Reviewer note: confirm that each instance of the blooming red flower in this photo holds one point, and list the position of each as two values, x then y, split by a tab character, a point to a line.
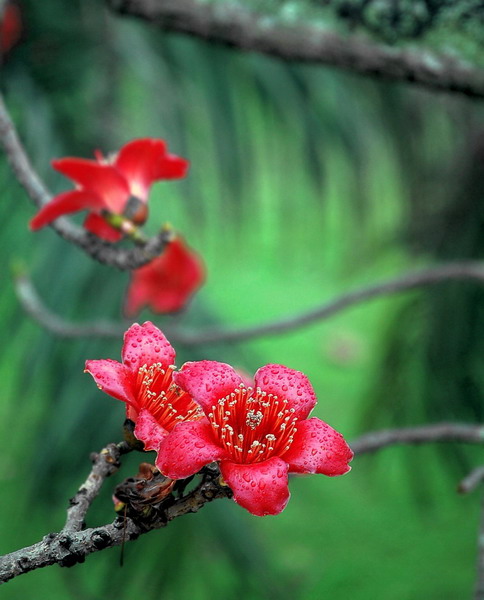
118	185
258	434
10	28
167	282
144	380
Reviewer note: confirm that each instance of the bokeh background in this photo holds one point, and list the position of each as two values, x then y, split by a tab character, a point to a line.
305	182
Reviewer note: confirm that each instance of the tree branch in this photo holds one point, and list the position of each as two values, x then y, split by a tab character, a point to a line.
238	26
458	271
439	432
101	251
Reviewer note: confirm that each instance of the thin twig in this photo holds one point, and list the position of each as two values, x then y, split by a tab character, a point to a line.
459	271
104	464
471	481
438	432
110	254
236	25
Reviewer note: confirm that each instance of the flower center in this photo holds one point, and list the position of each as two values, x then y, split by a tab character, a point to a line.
253	425
162	398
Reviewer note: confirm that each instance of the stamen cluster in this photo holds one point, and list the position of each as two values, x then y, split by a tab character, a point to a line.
253	425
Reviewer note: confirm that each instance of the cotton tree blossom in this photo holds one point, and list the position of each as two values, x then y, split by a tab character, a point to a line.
144	381
117	185
10	28
258	434
168	282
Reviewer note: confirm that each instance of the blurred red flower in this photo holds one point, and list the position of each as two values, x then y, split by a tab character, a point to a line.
10	28
259	434
119	185
167	282
144	381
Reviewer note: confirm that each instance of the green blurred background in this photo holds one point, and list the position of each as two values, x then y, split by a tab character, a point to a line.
305	182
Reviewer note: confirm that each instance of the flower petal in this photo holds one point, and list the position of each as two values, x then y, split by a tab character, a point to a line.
99	226
103	180
261	488
167	282
318	448
149	431
145	345
207	381
187	448
144	161
289	384
113	378
64	204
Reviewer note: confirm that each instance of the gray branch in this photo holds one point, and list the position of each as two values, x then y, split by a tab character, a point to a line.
458	271
101	251
236	25
72	544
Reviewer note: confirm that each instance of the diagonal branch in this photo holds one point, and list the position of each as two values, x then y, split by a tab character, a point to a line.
104	252
236	25
458	271
72	544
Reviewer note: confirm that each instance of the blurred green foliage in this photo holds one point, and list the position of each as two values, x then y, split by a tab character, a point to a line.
304	183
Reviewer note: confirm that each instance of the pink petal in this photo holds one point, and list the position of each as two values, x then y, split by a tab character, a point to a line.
289	384
187	448
64	204
207	381
261	488
113	378
145	345
99	226
144	161
318	448
149	431
103	180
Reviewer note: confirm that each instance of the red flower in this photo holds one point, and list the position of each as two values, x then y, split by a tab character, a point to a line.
258	434
10	28
144	380
118	185
167	282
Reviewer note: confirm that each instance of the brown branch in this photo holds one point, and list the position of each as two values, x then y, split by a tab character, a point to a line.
459	271
237	26
110	254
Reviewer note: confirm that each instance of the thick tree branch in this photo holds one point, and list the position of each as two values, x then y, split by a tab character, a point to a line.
459	271
72	544
101	251
236	25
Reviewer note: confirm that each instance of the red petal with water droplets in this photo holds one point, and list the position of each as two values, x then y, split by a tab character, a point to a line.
64	204
187	448
207	381
289	384
145	345
318	448
100	227
113	378
149	431
103	180
144	161
261	488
